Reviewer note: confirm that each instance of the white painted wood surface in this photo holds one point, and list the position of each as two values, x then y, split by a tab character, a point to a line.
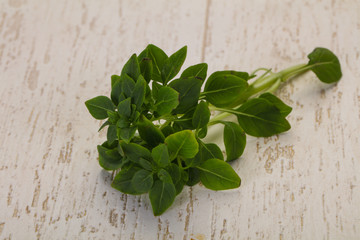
54	55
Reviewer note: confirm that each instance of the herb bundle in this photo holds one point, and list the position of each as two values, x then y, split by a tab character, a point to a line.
156	124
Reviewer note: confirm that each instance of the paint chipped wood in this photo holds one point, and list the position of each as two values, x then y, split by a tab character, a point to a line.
302	184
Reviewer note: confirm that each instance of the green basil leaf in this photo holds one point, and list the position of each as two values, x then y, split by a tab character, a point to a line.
201	115
173	64
145	164
216	174
189	92
134	152
234	140
194	177
182	144
113	117
99	106
162	195
223	90
126	134
123	181
138	95
164	176
155	89
260	118
185	121
174	171
280	105
166	100
146	66
198	71
325	65
111	134
242	75
160	155
109	159
127	85
149	132
158	57
142	181
104	125
114	79
132	68
202	132
206	152
124	107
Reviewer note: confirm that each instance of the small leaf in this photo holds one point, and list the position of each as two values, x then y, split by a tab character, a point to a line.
197	71
189	92
134	152
127	85
113	117
142	181
99	106
138	95
104	125
280	105
146	66
111	134
158	57
217	175
173	64
234	140
201	115
222	90
109	159
166	100
183	144
124	107
126	134
160	155
132	68
114	80
260	118
325	65
123	181
162	195
149	132
174	171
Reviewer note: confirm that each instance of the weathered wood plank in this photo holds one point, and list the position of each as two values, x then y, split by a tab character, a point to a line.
54	55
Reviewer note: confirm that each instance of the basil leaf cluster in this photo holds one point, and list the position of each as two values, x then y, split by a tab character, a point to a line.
156	124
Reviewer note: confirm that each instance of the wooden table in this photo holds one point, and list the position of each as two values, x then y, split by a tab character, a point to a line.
54	55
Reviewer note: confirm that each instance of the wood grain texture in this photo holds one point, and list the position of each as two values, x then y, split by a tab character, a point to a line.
54	55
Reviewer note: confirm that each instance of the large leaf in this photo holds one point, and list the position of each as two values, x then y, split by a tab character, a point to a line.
206	152
162	195
123	181
280	105
149	132
182	144
201	115
216	175
189	92
134	152
160	155
198	71
109	159
173	64
260	118
99	106
325	65
223	89
234	140
166	100
142	181
158	58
